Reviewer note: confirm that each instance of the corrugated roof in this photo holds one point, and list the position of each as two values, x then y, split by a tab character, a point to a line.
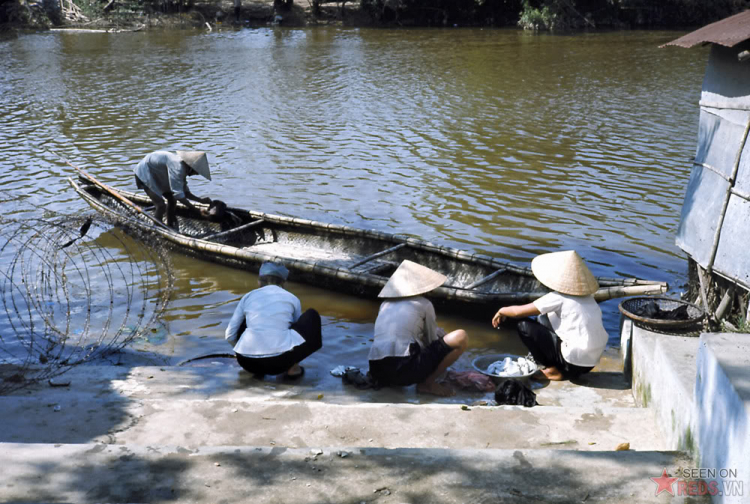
727	32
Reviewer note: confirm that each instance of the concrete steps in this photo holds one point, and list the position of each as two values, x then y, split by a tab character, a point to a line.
699	392
296	424
146	434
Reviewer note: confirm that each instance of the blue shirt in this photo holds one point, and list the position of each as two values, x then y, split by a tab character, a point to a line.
268	313
163	171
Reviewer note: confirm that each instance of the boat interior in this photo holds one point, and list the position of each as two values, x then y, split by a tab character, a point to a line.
340	247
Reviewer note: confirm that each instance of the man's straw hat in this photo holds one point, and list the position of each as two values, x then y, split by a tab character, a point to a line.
411	279
196	160
564	272
273	269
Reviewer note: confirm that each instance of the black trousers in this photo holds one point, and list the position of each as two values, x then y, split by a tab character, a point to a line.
308	326
159	201
546	346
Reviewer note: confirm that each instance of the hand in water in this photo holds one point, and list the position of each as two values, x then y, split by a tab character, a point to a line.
497	320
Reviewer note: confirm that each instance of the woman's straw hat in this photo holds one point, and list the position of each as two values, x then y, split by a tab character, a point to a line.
196	160
565	272
411	279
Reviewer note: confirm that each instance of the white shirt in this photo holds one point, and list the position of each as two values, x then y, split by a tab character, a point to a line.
402	322
577	320
163	171
268	313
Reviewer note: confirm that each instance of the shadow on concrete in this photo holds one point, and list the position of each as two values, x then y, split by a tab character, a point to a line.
85	405
402	475
610	380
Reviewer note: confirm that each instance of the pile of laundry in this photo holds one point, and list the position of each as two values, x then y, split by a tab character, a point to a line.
352	375
469	380
515	392
512	367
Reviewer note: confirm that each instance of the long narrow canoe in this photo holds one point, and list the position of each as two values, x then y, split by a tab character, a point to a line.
341	258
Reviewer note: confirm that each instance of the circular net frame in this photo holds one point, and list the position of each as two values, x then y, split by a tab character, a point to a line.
74	288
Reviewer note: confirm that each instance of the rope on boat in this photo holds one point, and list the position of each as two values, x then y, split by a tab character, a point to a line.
73	288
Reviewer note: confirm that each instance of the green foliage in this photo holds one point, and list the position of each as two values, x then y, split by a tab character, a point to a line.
529	14
10	12
92	9
739	325
538	17
16	12
574	14
677	13
564	14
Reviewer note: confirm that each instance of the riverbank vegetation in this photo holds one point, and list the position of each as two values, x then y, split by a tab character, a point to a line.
547	15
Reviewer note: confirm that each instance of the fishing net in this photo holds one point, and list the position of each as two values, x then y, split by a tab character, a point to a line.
74	288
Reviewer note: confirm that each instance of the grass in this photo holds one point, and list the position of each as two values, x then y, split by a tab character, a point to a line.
738	325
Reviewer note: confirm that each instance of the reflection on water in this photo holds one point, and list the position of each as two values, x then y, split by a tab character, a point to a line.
497	141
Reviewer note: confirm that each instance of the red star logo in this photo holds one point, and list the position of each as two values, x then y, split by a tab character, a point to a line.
664	483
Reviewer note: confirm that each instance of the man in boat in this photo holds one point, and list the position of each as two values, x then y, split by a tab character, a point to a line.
163	175
568	338
409	348
270	334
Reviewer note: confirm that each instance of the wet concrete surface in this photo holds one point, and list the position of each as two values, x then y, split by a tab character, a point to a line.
210	405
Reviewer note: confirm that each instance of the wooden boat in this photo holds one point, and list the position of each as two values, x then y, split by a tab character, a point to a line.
341	258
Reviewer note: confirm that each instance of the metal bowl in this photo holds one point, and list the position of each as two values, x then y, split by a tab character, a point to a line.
483	362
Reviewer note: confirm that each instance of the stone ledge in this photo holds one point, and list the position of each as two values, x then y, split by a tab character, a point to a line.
722	393
663	370
699	392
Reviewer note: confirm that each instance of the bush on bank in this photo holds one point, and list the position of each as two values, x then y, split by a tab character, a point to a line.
550	15
553	14
575	14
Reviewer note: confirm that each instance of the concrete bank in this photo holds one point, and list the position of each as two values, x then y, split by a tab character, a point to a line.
698	389
194	407
215	434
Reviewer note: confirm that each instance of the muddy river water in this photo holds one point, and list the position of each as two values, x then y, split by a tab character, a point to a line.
497	141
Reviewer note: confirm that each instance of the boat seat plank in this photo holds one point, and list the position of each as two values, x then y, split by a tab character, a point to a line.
228	232
376	268
377	254
486	279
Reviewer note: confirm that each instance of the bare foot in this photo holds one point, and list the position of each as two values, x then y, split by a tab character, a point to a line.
553	374
435	389
294	371
539	375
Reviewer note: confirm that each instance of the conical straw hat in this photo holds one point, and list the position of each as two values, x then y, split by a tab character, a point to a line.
411	279
564	272
196	160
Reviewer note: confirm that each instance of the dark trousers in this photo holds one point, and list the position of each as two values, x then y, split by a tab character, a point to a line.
308	326
158	201
410	369
546	346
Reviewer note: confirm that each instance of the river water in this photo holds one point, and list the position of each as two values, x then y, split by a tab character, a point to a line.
497	141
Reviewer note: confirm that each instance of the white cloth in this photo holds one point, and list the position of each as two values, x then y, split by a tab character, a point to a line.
163	171
268	313
577	320
340	371
512	367
402	322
